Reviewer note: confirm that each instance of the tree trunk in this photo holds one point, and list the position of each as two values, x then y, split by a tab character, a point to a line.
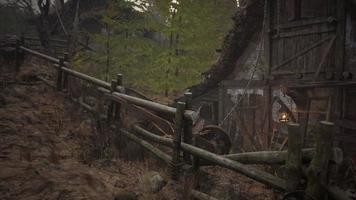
43	24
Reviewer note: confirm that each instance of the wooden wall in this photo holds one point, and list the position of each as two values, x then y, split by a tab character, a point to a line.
315	41
302	38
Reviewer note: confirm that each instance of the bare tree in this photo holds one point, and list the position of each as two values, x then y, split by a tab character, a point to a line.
43	24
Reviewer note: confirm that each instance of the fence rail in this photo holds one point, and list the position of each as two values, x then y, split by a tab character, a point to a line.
182	141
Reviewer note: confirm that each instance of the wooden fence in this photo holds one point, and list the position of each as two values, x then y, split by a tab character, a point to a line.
186	156
58	45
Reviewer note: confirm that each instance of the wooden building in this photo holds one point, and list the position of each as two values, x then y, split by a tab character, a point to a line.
299	64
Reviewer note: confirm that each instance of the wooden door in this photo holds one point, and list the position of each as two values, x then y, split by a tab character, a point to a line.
304	39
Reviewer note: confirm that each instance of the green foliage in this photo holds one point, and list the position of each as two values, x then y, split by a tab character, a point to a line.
163	46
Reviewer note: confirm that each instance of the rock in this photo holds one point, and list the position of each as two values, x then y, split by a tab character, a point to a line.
125	195
152	182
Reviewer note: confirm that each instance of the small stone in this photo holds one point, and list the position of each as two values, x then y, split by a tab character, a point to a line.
152	182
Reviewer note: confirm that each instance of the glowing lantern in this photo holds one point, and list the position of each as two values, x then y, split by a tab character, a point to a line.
283	117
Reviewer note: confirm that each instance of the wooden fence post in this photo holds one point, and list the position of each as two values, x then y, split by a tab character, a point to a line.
60	75
22	39
65	75
188	126
119	80
294	156
17	56
179	124
318	169
111	108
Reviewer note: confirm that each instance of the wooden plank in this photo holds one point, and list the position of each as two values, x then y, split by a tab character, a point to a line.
306	32
250	172
308	22
345	123
243	83
221	102
324	57
302	52
340	40
160	154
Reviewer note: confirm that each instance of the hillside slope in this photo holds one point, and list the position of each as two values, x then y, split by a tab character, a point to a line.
51	149
48	147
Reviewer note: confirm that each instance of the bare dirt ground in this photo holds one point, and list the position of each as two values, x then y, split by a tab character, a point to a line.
49	150
47	147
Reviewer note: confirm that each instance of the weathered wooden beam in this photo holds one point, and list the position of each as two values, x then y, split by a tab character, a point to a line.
47	82
294	156
18	56
188	126
341	37
324	57
318	168
41	55
279	157
289	34
260	157
111	107
60	75
302	52
65	75
157	152
84	105
201	196
250	172
119	79
87	78
188	114
179	127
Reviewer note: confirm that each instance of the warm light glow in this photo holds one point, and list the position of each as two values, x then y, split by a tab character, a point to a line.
283	117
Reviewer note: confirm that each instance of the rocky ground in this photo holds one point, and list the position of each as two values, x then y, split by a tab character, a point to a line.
50	149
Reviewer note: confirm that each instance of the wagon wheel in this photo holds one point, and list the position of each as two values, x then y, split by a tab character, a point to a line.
218	139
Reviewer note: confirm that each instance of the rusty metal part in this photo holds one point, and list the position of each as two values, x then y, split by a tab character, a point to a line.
215	139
